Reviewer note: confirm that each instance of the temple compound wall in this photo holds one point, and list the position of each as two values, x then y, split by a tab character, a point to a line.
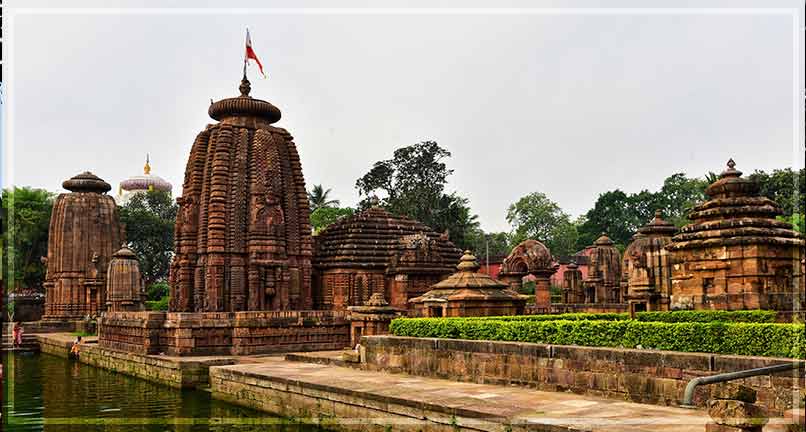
84	232
376	252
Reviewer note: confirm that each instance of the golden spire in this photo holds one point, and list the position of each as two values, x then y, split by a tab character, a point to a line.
147	167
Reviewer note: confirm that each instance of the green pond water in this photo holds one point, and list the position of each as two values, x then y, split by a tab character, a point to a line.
48	393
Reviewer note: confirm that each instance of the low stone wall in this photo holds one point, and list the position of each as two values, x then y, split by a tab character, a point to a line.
645	376
178	373
558	308
171	371
224	333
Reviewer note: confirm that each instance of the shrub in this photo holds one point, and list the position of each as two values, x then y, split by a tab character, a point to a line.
157	291
762	339
752	316
158	305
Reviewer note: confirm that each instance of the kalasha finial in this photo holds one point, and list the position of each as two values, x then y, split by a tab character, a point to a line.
658	213
245	87
468	263
731	171
374	201
147	166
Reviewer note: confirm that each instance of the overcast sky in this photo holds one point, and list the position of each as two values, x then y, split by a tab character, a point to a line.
569	104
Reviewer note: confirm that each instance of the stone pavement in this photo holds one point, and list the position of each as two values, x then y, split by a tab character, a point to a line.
510	405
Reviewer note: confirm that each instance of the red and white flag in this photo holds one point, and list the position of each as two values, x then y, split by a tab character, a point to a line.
250	54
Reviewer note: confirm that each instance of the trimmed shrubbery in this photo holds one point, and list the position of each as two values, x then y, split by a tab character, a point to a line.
761	339
752	316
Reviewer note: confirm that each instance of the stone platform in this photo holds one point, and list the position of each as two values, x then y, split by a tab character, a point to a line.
352	399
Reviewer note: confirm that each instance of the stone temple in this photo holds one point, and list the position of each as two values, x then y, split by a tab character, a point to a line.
647	267
377	252
735	254
84	232
243	235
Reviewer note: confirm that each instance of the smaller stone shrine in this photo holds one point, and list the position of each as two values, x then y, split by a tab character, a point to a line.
124	285
603	284
735	254
375	251
371	319
530	257
84	232
468	293
572	284
647	267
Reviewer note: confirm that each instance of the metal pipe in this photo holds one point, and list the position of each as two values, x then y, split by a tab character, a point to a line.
688	396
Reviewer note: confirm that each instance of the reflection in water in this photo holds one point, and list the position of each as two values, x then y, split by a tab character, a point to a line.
58	395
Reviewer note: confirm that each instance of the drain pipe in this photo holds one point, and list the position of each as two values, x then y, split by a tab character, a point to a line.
688	397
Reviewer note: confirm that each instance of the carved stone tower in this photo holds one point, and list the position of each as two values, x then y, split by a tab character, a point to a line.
84	232
243	235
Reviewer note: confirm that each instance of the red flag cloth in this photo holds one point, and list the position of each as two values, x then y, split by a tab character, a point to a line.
250	54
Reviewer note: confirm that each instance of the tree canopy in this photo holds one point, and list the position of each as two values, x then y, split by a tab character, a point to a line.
319	197
413	183
535	216
26	220
149	219
324	216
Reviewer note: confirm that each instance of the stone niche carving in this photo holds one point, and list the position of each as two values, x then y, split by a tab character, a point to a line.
243	235
375	251
84	232
646	266
735	254
530	257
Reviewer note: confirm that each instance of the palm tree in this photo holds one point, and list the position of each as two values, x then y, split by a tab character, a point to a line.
318	197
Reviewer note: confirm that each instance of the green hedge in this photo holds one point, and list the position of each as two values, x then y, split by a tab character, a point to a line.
752	316
761	339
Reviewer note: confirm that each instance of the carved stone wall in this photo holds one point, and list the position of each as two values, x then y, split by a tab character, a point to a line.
84	232
243	235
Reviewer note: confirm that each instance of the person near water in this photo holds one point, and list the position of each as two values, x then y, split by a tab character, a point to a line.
17	333
76	346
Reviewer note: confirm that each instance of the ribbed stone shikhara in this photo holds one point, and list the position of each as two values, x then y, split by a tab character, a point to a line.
604	272
84	232
375	251
124	286
735	254
243	235
646	269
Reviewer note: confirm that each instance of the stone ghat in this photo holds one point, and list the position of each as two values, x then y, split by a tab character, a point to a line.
349	399
176	372
223	333
645	376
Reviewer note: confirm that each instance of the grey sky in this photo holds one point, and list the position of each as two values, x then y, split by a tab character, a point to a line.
569	105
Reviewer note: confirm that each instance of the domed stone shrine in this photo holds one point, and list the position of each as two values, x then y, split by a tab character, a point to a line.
375	251
243	235
735	254
84	232
468	293
530	257
647	267
124	287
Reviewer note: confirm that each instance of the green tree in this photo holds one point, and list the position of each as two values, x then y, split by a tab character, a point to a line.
784	186
676	198
537	217
149	219
26	219
497	243
324	216
413	183
320	197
